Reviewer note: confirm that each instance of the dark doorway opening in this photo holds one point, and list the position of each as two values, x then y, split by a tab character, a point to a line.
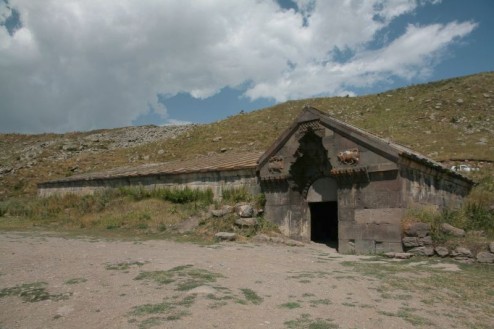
324	223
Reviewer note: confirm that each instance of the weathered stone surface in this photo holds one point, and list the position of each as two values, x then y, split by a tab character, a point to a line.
442	251
422	251
202	290
222	212
451	230
398	255
418	230
425	241
461	252
246	222
225	236
485	257
491	247
244	210
410	242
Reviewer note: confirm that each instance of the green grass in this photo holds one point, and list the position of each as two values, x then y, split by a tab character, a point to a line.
122	266
304	321
33	292
291	305
251	296
185	277
75	281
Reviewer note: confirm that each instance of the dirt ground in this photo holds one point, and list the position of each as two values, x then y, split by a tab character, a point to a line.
52	281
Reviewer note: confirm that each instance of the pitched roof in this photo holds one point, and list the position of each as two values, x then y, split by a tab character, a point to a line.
386	148
208	163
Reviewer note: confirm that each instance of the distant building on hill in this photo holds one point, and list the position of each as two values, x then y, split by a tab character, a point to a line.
323	179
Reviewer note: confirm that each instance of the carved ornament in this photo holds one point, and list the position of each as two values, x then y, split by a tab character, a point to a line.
276	164
349	157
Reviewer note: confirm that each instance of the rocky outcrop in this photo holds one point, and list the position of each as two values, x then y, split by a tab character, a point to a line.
418	241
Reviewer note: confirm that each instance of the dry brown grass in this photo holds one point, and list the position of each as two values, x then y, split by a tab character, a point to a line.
446	120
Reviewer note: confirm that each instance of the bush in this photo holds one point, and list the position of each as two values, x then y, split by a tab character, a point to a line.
187	195
237	195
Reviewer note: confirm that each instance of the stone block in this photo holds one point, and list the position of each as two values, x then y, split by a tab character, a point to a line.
422	251
410	242
461	252
246	222
485	257
441	251
451	230
417	230
491	247
225	236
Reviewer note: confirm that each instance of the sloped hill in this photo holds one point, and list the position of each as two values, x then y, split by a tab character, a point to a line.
449	120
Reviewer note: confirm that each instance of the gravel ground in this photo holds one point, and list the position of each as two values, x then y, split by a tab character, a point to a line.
51	281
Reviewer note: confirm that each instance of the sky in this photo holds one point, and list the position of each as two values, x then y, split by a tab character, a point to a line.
78	65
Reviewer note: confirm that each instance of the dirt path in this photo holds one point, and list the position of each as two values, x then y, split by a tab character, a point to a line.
56	282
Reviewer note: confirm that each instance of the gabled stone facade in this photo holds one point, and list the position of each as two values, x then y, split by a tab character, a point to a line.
327	181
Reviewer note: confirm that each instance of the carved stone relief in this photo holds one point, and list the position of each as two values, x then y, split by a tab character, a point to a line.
349	157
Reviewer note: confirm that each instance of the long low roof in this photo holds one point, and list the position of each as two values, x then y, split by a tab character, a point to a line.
206	163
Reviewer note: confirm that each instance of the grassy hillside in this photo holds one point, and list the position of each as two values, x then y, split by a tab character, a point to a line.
450	120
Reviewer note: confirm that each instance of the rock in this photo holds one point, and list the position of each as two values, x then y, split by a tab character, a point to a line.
225	236
418	230
425	241
410	242
244	210
459	101
261	238
249	222
222	212
160	152
442	251
223	149
491	247
422	251
217	139
451	230
398	255
461	252
485	257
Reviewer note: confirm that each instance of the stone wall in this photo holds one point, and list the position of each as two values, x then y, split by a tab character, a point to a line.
216	181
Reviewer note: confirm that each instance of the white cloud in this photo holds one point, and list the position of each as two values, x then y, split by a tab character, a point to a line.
77	65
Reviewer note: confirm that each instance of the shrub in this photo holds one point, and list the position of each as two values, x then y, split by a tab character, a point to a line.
236	195
187	195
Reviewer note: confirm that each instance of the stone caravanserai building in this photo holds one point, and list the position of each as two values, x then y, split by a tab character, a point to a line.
323	180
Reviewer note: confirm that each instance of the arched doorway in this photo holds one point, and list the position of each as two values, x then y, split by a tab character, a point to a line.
322	198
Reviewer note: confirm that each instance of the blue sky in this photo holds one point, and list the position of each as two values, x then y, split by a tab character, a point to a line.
80	65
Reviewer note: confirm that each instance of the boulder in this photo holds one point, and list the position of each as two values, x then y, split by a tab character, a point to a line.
418	230
244	210
442	251
485	257
491	247
398	255
410	242
225	210
451	230
248	222
422	251
425	241
461	252
225	236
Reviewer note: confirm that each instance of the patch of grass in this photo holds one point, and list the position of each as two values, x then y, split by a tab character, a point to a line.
304	321
33	292
171	310
122	266
186	277
75	281
291	305
315	302
251	296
